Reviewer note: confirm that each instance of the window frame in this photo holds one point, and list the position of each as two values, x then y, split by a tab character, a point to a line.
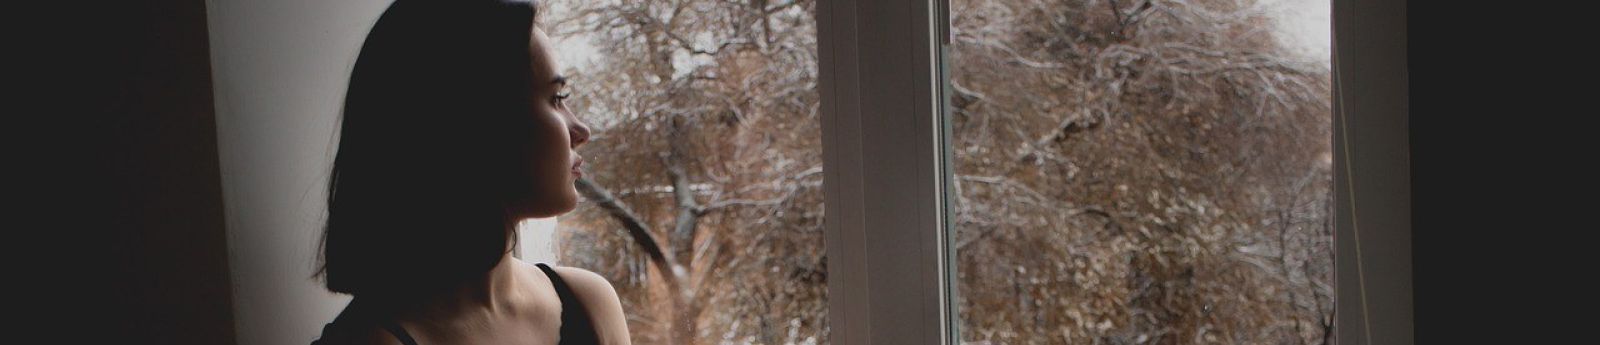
890	273
882	172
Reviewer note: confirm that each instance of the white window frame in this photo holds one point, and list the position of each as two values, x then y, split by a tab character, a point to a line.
886	227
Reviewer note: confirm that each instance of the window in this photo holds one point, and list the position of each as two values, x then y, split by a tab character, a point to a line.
1142	172
998	171
860	220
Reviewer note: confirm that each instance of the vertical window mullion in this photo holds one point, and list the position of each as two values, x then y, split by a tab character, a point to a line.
881	147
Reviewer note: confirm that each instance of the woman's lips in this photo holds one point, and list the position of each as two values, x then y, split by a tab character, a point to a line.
577	167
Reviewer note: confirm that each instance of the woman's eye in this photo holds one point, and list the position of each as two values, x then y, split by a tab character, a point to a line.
561	97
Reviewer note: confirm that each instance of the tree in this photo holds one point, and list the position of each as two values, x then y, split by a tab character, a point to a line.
709	151
1163	163
1128	172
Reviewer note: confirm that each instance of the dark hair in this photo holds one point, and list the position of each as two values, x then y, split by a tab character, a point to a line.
437	114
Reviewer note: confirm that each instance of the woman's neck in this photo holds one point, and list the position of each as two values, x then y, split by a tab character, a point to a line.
498	292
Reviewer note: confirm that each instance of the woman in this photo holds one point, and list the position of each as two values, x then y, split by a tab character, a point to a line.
454	130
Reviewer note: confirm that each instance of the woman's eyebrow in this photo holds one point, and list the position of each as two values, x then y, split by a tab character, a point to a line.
560	79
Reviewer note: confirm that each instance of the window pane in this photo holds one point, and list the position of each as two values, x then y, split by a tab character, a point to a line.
1142	172
706	145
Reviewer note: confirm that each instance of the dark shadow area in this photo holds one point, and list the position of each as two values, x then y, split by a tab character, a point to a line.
129	180
1499	180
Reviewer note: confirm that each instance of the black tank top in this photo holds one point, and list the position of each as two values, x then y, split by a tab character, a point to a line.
576	328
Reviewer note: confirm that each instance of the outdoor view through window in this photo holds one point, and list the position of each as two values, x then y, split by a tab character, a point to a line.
1142	171
1127	171
703	197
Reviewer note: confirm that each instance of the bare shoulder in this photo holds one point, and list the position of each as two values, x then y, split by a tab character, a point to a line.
582	279
600	299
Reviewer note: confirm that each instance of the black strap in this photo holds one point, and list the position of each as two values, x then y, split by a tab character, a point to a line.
398	332
576	329
356	316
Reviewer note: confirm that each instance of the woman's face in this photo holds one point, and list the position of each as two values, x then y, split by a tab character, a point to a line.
558	134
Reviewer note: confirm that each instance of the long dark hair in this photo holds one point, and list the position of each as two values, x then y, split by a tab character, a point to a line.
434	140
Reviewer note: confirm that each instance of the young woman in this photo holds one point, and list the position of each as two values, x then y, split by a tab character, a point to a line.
454	130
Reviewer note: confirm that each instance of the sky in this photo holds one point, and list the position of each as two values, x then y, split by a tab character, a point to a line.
1305	26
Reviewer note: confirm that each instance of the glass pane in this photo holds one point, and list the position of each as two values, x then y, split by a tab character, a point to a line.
1142	172
706	150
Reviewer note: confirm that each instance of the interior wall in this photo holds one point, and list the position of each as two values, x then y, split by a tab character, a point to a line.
280	68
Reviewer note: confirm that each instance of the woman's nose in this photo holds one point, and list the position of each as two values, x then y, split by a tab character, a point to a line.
580	132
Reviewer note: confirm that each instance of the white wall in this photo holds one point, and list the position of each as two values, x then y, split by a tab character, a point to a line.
279	70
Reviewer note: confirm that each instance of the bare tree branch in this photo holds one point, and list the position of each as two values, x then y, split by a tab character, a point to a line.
637	228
